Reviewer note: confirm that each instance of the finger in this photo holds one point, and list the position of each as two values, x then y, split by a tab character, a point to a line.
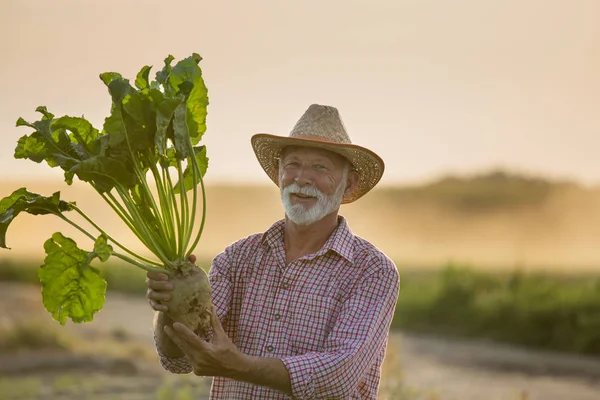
160	285
156	306
188	335
216	321
157	276
178	340
192	258
158	296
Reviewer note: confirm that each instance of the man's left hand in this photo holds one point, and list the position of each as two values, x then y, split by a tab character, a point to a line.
218	357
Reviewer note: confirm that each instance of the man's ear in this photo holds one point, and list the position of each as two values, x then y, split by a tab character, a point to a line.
351	182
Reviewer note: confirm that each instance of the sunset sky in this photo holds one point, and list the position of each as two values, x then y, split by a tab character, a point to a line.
432	86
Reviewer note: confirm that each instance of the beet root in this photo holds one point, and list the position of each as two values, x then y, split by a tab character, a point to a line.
191	298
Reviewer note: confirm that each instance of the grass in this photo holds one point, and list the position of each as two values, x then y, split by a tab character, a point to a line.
549	311
32	334
556	312
100	386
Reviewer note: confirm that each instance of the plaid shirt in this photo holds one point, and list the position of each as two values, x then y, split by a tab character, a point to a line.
326	315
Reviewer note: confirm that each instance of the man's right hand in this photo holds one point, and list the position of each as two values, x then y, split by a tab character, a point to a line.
159	288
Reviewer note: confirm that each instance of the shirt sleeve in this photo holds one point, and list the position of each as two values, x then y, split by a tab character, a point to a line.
358	337
220	282
175	365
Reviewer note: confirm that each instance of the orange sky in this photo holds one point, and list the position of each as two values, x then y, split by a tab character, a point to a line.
433	86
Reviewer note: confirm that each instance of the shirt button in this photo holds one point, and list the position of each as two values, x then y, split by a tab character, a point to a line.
285	285
277	317
269	348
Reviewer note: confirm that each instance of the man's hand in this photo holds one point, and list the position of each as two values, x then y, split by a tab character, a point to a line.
219	357
159	288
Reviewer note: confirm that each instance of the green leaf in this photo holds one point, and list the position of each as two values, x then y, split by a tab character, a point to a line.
45	144
47	115
162	76
22	122
71	288
51	142
114	125
164	115
180	131
188	176
186	78
108	77
105	172
140	120
102	249
22	200
197	104
141	80
82	132
186	70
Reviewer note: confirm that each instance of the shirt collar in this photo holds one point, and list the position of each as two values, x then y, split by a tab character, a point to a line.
341	240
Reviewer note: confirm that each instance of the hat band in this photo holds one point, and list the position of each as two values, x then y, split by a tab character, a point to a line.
316	139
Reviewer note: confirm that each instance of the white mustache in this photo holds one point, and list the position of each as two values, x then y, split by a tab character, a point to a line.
294	188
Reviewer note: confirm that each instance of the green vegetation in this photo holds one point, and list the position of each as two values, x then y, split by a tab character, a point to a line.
149	141
543	310
102	386
33	335
558	312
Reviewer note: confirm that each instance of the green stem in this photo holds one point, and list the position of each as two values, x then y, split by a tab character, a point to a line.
202	221
123	214
148	268
185	209
164	203
86	233
118	255
158	248
164	236
195	173
113	240
127	219
173	204
152	243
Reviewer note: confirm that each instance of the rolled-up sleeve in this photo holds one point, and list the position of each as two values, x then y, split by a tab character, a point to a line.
220	282
352	347
179	365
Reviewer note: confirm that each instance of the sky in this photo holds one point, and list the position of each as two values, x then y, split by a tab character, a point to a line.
434	87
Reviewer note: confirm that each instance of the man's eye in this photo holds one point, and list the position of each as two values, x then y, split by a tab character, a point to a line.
320	166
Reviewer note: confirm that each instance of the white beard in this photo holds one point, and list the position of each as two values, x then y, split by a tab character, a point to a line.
300	214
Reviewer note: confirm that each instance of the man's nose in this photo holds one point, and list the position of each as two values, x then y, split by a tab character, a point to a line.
304	176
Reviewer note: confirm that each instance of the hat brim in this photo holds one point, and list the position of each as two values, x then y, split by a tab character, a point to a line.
369	165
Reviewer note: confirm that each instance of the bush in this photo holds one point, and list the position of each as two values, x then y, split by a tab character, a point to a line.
544	311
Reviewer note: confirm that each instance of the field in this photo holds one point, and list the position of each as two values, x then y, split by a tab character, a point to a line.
492	221
113	357
484	260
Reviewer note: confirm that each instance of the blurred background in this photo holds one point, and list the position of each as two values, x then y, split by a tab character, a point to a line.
485	113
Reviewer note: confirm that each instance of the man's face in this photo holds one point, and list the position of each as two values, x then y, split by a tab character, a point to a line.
312	183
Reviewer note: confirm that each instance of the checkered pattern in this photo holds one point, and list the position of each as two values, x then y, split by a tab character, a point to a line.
326	315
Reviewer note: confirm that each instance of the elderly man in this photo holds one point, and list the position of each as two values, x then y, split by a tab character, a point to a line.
302	310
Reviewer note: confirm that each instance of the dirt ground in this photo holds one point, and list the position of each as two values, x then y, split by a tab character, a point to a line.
113	358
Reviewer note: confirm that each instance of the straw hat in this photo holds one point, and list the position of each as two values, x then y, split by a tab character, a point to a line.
321	127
